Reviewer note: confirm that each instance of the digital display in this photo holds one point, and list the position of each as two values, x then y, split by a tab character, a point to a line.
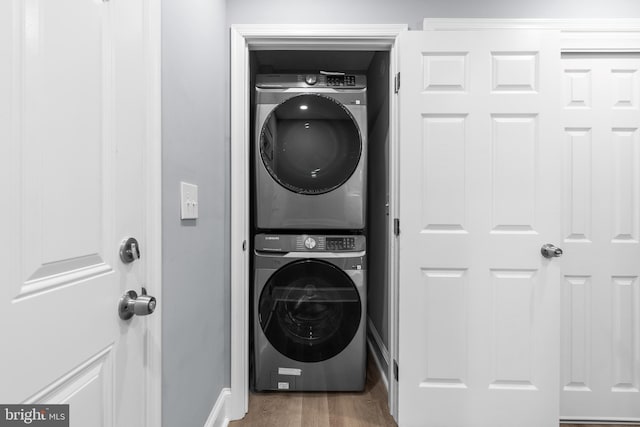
341	243
341	80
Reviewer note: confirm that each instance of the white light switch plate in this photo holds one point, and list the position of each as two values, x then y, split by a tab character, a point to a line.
188	201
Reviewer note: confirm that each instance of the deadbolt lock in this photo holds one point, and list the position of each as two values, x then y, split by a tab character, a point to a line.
129	250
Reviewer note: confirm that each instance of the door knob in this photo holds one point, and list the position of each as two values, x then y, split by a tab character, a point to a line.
131	304
550	251
129	250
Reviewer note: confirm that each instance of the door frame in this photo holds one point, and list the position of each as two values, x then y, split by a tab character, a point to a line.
245	38
153	215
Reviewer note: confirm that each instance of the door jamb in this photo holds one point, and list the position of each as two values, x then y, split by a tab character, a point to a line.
310	37
153	212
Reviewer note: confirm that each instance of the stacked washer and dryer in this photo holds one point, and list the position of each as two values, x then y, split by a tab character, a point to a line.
309	266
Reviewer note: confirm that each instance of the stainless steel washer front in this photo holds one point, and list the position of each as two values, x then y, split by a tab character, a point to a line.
309	308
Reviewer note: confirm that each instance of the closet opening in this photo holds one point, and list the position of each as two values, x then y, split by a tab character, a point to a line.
371	68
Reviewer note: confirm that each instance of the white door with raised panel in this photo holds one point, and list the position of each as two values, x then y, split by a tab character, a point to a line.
480	188
73	130
601	270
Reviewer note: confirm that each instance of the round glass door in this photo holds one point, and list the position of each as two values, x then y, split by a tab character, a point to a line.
310	310
310	144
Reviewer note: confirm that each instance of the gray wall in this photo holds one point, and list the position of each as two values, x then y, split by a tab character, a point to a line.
195	293
412	11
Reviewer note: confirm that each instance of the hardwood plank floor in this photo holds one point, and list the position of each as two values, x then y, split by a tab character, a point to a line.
365	409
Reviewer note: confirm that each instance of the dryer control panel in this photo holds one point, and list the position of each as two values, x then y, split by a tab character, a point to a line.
309	243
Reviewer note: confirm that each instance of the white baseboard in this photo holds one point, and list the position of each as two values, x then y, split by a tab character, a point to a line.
218	416
378	351
599	421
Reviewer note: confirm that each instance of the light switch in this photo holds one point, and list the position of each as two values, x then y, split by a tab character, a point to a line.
188	201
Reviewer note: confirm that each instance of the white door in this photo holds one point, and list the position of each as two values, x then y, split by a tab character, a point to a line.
479	195
72	179
601	270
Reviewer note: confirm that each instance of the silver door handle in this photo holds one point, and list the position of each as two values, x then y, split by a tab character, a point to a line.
131	304
550	251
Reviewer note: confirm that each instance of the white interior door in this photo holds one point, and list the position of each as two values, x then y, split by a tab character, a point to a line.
479	195
601	270
72	179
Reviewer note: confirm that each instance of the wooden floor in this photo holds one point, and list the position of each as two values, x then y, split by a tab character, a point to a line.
366	409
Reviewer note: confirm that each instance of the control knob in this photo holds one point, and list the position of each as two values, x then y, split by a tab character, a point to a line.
310	243
311	79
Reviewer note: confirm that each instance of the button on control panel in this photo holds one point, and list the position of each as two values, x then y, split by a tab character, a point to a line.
310	243
341	243
348	80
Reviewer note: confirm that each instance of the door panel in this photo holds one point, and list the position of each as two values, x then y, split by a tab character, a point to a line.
73	120
479	195
601	289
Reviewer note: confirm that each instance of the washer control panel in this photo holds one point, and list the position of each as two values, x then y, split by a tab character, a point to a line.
341	80
341	243
308	243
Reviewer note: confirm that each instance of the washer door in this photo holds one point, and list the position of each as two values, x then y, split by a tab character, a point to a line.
309	310
310	144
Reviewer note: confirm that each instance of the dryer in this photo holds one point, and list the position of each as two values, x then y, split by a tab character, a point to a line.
309	312
310	146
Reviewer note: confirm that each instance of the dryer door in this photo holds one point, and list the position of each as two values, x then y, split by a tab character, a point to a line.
310	310
310	144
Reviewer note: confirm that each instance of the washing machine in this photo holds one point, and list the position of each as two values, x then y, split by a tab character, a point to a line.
309	312
310	150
